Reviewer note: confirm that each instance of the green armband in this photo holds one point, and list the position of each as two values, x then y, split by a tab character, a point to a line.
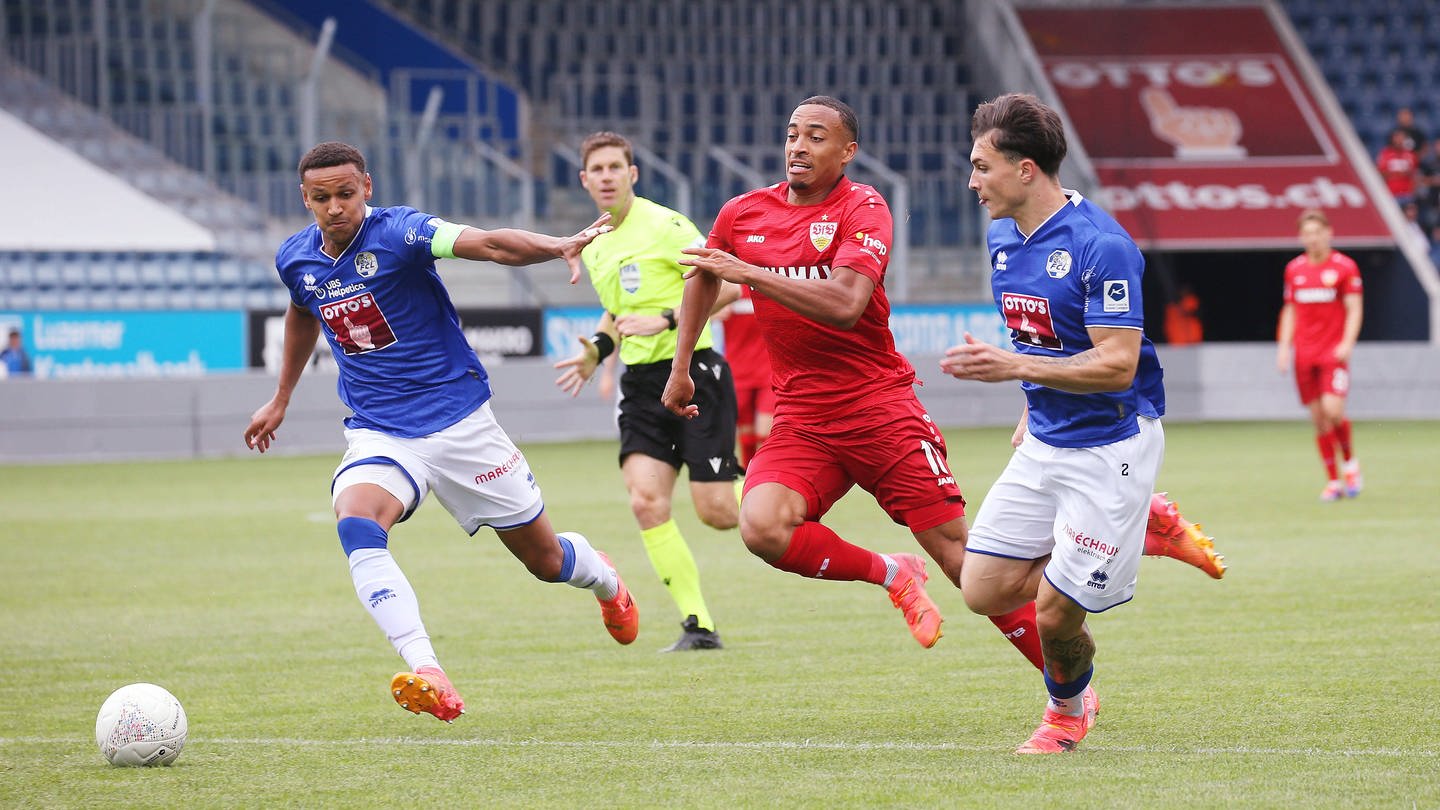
443	245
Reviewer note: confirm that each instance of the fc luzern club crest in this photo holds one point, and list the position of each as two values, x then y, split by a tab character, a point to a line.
366	265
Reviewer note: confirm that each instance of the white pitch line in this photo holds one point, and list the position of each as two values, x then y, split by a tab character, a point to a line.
758	745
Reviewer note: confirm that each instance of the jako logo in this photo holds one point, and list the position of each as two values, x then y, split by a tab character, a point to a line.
380	596
755	238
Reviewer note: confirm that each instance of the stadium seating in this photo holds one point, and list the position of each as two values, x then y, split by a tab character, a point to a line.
1378	57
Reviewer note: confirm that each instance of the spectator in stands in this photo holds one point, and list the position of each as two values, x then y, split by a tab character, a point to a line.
13	358
1405	122
1399	166
364	277
636	272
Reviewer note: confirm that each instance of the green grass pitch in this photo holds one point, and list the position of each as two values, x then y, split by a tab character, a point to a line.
1307	677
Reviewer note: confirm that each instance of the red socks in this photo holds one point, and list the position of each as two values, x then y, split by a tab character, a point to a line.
1019	627
1342	436
818	553
1326	443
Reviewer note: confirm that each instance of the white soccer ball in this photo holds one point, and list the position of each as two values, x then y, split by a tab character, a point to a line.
141	724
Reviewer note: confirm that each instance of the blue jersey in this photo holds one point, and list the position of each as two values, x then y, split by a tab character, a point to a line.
405	366
1079	269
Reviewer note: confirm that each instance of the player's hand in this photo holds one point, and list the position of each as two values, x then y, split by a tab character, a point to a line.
641	325
570	247
976	360
578	368
679	390
1342	352
261	431
716	262
1282	360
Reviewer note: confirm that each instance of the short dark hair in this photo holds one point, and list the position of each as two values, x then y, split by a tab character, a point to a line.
847	115
602	139
1023	127
331	153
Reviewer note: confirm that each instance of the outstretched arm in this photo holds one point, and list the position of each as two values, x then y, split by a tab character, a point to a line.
302	330
516	247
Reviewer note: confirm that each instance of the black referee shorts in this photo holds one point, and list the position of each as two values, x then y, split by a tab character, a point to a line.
705	444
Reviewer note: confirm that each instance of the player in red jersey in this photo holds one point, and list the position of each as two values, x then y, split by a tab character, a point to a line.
750	368
1321	319
814	250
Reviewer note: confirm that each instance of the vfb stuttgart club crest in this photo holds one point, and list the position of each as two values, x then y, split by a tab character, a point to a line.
822	234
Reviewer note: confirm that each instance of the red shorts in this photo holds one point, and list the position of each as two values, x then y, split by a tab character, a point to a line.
751	402
892	450
1317	377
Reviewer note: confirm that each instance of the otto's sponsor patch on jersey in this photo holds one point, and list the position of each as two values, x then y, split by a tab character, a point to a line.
358	324
1117	296
1029	320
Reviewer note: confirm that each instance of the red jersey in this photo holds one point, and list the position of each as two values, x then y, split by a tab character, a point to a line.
745	346
1398	167
1316	293
817	369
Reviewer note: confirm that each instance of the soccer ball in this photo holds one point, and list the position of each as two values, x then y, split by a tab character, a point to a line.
141	724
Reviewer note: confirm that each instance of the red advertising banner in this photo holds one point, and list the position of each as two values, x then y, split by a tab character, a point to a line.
1201	127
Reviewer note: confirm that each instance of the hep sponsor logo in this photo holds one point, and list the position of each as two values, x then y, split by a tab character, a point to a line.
868	241
504	469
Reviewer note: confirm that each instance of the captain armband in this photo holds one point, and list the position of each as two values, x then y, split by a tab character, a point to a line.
442	245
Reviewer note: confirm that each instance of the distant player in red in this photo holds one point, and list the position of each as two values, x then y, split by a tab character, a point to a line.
1321	320
814	250
750	368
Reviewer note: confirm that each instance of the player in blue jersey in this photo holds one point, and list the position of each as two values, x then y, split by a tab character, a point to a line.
365	278
1065	524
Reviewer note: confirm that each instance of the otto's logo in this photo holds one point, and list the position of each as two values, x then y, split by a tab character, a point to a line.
358	324
366	265
1057	264
823	233
1029	321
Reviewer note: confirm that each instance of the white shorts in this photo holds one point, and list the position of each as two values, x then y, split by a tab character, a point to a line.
475	471
1086	507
